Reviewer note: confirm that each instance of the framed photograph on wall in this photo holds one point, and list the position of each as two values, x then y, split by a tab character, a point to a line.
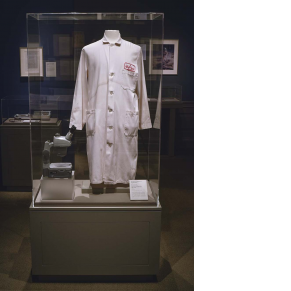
32	59
164	56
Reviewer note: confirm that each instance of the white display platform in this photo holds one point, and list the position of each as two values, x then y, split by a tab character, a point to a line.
90	199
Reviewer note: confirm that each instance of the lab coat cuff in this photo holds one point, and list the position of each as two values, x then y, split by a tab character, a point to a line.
78	126
146	125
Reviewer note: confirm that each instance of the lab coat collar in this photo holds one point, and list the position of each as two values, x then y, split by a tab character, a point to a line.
106	41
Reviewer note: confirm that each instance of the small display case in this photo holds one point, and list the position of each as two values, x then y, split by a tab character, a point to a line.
18	110
172	92
17	125
15	110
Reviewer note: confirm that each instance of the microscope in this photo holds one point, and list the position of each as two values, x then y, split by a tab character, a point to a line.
60	144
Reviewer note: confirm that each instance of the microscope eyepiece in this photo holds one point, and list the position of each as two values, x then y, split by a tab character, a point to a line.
71	133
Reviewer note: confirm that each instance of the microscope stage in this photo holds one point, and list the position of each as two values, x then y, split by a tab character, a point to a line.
60	170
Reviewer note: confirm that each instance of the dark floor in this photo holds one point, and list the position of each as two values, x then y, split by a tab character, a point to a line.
176	262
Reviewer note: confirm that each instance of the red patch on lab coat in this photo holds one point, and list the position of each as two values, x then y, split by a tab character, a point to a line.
129	67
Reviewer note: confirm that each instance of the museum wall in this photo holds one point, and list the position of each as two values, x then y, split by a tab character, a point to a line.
178	25
13	34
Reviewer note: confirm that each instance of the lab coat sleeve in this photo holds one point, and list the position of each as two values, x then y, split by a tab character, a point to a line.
143	105
80	101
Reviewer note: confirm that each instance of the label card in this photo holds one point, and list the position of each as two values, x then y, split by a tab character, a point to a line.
51	69
138	190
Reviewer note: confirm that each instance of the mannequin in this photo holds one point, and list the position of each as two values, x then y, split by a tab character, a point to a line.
112	35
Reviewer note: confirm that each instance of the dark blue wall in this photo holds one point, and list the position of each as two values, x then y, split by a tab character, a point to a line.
13	36
178	25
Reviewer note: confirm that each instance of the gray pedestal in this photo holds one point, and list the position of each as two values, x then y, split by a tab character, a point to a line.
95	240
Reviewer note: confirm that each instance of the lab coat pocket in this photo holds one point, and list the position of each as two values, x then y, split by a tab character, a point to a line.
130	78
90	123
131	123
130	73
131	89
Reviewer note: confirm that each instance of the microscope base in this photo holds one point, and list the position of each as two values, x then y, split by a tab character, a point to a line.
57	188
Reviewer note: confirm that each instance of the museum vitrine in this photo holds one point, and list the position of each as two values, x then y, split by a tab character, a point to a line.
91	80
117	138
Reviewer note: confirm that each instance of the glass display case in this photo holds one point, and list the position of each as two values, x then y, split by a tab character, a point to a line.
97	144
61	38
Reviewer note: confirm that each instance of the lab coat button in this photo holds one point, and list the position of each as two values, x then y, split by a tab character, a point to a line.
111	74
111	92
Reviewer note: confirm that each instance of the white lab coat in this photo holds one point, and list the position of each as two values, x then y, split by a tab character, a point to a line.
111	99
